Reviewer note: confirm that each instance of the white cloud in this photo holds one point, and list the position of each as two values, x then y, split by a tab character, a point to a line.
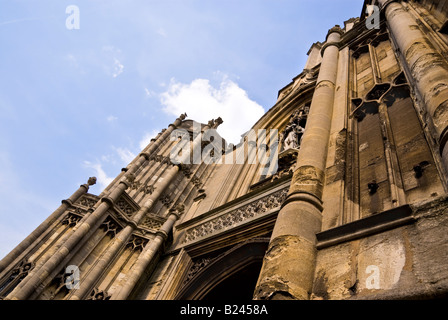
118	68
111	60
202	102
111	118
102	179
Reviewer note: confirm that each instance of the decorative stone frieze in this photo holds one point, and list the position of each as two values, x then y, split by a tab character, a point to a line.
237	216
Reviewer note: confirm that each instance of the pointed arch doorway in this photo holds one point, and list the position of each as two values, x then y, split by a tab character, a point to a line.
230	276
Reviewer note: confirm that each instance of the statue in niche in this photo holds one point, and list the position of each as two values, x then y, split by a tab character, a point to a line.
291	137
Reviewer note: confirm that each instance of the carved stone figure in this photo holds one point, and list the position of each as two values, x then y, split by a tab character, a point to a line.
291	137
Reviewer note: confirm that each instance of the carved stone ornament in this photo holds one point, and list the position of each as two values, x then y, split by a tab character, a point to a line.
147	189
215	123
196	267
135	185
110	227
150	223
91	181
99	295
166	200
71	220
218	122
136	243
86	202
15	277
178	209
291	137
130	178
125	207
186	170
237	216
196	181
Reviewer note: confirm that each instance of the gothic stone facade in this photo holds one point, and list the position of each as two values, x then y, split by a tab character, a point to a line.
358	208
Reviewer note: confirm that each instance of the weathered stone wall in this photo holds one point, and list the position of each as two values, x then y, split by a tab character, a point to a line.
409	262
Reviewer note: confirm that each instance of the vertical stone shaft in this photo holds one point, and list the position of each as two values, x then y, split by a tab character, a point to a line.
428	68
145	258
37	276
289	263
124	235
122	238
28	241
165	135
148	150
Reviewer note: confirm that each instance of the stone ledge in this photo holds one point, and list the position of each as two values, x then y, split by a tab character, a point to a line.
365	227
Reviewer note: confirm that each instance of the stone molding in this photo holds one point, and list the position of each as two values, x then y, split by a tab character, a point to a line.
236	216
365	227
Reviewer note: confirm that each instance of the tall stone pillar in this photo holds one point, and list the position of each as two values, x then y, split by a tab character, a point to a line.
28	241
122	238
148	254
41	272
289	263
428	68
86	285
165	135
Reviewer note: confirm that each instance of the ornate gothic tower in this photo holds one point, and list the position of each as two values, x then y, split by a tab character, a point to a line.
356	207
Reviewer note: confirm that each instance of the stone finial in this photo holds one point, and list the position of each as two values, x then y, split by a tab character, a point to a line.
332	39
183	116
91	181
211	123
218	122
336	28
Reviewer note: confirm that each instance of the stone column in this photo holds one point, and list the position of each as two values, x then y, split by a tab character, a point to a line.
41	272
165	135
427	67
124	235
289	263
38	275
148	150
28	241
147	256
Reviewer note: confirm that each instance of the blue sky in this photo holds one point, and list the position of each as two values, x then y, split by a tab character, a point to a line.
83	102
